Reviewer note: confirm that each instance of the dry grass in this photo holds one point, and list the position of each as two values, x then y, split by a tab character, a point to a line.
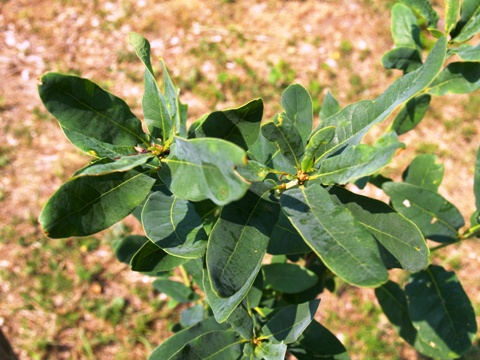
71	299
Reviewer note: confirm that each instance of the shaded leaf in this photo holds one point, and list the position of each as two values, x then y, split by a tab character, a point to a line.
407	59
174	289
297	103
338	239
192	315
330	106
424	9
457	78
242	322
424	171
125	248
255	293
88	204
288	278
469	23
124	163
285	239
411	114
150	258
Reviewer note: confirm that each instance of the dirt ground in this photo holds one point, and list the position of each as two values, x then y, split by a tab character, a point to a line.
56	297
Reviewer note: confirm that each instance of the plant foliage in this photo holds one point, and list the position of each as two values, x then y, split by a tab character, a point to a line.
217	196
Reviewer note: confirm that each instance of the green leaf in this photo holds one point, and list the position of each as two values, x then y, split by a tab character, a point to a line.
254	171
358	161
200	169
407	59
353	122
150	258
469	23
317	342
457	78
177	110
272	351
88	204
174	289
423	8
438	219
467	52
411	114
239	239
285	239
424	171
209	212
191	316
288	323
283	132
239	126
297	103
452	8
400	236
405	29
175	343
255	293
122	164
288	278
174	225
242	322
330	106
476	181
126	247
94	120
331	230
321	137
157	118
441	311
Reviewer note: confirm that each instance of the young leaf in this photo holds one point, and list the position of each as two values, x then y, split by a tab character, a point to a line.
457	78
469	23
407	59
157	117
285	239
288	278
150	258
174	225
94	120
423	8
239	126
400	236
452	8
405	29
288	323
283	132
330	106
441	311
297	103
331	230
425	172
321	137
438	219
358	161
88	204
174	289
211	164
353	122
411	114
239	239
124	163
175	343
467	52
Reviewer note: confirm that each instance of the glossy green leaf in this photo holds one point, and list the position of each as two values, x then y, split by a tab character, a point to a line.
285	239
476	181
242	322
438	219
283	132
358	161
400	236
124	163
157	117
88	204
330	106
411	114
317	342
174	289
126	247
175	343
94	120
239	126
192	315
288	278
469	23
211	164
150	258
288	323
353	122
332	231
457	78
239	239
452	8
423	8
424	171
404	26
174	225
441	311
297	103
321	137
407	59
467	52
